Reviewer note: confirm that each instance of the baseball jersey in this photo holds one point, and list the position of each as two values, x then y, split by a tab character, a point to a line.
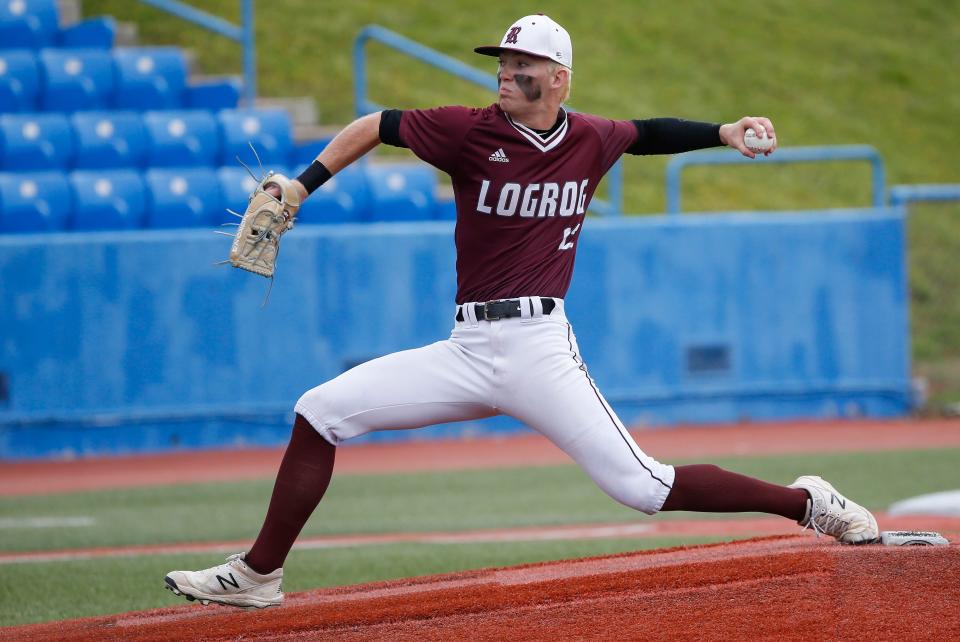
521	198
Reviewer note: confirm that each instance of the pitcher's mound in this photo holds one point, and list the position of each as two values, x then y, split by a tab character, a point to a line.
774	588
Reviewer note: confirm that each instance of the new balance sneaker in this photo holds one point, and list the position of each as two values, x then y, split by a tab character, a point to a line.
831	513
233	584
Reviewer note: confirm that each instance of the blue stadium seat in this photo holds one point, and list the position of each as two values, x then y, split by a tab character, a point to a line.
150	77
28	23
108	200
94	33
236	185
76	79
402	192
446	209
35	141
183	197
213	94
345	198
181	138
305	152
34	202
106	139
19	80
268	129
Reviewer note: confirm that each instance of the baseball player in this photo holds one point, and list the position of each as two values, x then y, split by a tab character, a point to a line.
524	170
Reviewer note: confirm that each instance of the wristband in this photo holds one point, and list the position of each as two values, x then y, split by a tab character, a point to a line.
314	176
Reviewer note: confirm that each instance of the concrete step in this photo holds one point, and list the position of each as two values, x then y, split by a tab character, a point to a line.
128	35
304	133
302	110
70	11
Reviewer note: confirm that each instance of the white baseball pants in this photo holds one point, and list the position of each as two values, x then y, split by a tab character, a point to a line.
528	368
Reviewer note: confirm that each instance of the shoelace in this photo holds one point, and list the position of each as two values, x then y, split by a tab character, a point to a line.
830	522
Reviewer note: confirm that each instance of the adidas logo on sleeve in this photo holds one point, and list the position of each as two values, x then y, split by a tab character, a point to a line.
499	156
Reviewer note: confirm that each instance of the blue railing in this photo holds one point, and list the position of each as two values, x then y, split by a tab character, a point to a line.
242	34
613	205
903	194
791	155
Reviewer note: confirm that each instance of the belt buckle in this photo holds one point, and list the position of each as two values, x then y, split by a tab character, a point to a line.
503	305
486	312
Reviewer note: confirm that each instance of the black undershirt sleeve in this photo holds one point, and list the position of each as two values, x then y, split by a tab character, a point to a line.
672	136
390	127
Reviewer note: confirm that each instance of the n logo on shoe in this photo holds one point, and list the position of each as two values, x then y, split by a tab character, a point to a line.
842	502
224	581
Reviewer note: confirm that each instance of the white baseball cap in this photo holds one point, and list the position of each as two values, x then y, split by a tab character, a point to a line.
536	35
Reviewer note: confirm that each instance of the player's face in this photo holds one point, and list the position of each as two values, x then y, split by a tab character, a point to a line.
522	80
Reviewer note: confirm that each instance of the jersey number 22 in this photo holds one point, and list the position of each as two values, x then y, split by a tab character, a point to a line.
568	240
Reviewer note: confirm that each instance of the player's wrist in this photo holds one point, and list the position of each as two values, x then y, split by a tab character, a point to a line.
313	177
301	190
725	133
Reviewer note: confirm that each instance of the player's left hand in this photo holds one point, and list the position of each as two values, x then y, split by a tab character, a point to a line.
270	214
732	134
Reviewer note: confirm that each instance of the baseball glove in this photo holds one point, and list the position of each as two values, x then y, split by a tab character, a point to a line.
266	219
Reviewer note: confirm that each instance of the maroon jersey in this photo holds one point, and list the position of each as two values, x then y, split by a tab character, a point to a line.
520	198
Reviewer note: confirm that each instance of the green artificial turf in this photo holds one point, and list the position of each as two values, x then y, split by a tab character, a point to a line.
44	592
462	500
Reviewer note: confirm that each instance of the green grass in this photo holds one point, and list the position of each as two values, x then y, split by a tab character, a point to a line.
880	73
370	504
44	592
461	500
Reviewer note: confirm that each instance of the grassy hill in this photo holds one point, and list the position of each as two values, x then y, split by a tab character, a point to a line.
882	73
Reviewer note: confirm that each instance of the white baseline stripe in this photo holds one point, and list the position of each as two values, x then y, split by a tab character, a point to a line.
526	534
45	522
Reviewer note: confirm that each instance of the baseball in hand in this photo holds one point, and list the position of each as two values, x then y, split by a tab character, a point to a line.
757	143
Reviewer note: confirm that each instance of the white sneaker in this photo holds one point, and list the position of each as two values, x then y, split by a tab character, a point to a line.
831	513
233	584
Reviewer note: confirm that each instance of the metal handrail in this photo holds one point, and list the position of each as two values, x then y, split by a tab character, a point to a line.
791	155
243	34
903	194
613	205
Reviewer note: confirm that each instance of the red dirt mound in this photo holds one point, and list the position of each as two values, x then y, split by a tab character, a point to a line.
782	588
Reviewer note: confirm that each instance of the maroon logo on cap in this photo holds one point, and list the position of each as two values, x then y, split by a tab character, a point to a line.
511	38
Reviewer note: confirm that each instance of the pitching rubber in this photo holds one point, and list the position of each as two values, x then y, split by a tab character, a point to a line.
912	538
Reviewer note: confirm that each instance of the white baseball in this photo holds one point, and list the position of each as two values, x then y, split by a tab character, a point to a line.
757	143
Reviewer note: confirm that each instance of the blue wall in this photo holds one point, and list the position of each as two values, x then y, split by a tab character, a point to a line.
132	341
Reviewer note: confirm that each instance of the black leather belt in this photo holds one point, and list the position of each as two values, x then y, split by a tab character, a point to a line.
504	309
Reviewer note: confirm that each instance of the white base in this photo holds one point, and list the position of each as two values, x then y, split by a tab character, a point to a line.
945	504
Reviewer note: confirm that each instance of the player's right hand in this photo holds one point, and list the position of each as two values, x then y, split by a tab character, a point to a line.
732	134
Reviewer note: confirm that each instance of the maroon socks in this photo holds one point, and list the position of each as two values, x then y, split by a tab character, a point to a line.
308	465
710	489
301	482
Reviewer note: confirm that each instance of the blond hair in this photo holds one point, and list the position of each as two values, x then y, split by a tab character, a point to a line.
556	66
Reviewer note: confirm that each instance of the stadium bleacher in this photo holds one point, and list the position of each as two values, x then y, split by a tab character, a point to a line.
181	138
108	199
402	192
76	79
98	137
36	141
345	198
109	139
34	202
19	81
183	197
